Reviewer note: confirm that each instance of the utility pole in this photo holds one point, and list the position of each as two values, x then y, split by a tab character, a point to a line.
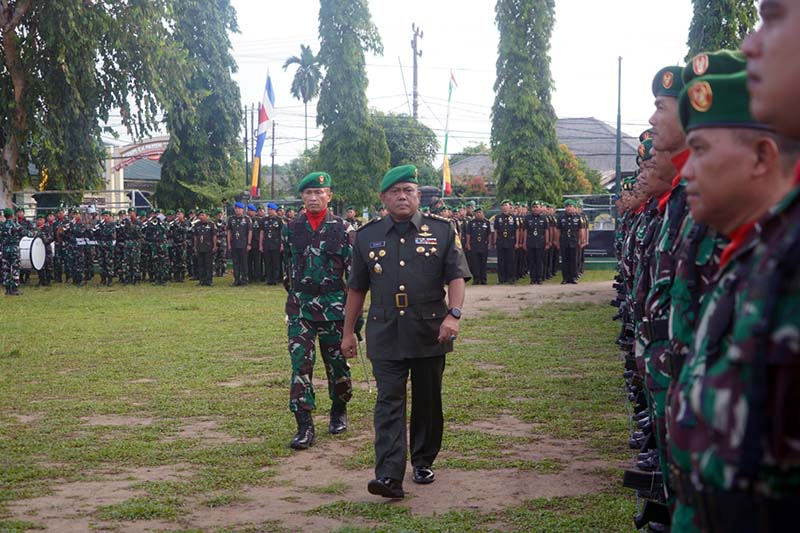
417	53
272	187
618	176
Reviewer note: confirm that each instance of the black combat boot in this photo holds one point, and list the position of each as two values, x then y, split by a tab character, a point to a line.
338	423
304	438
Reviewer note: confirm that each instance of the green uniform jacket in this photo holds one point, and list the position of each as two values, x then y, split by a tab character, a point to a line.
406	276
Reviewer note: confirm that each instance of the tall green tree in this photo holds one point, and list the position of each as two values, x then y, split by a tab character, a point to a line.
353	147
67	65
204	130
524	143
305	84
719	24
409	140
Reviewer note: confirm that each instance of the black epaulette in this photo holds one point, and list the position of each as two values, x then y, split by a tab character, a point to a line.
369	222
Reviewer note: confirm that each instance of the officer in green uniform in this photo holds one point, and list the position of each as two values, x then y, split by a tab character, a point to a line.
405	260
569	225
239	243
504	239
271	244
535	241
10	234
104	235
317	260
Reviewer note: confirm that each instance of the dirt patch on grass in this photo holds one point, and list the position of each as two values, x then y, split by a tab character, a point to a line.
116	420
489	366
483	299
70	507
27	419
142	380
206	430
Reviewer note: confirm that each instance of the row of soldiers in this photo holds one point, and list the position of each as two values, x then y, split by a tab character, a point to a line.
528	242
708	245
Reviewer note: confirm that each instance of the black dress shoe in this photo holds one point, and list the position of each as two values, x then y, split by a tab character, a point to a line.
423	475
338	422
386	487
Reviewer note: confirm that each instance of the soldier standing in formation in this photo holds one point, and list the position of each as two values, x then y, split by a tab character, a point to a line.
569	226
44	232
271	244
204	234
221	255
405	260
105	234
10	235
254	254
504	240
317	258
239	243
479	233
536	241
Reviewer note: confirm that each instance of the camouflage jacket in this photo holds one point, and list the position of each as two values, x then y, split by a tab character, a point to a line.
105	232
10	234
317	264
735	409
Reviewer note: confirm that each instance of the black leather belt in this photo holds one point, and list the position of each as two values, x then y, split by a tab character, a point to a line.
316	290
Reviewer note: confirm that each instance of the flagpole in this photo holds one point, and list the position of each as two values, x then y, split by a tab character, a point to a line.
446	162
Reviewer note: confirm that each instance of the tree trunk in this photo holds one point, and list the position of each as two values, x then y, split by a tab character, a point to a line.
11	60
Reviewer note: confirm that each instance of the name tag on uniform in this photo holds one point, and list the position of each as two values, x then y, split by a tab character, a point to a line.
377	244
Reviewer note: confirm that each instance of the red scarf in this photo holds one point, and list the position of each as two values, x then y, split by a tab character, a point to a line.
797	174
678	162
739	236
315	220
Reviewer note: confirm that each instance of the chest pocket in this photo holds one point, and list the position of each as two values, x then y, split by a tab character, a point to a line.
332	239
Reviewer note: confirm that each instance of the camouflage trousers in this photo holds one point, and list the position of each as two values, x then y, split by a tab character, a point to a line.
10	268
133	256
160	263
177	260
302	337
119	260
58	262
90	254
75	262
657	381
221	258
105	259
146	260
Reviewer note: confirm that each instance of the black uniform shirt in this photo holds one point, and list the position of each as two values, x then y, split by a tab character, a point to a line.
406	270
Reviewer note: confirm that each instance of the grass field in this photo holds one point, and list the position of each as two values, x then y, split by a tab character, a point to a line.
97	384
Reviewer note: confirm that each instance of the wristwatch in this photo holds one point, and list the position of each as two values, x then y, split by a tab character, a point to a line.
454	312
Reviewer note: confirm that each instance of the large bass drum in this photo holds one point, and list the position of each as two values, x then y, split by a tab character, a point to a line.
31	253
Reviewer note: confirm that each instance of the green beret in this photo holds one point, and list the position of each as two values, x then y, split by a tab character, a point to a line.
179	210
506	201
646	134
141	213
644	151
471	203
720	62
401	174
170	212
8	212
425	209
73	211
201	212
668	82
569	202
349	207
478	208
717	101
105	212
131	210
315	180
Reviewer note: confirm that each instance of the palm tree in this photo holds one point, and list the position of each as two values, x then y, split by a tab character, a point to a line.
305	85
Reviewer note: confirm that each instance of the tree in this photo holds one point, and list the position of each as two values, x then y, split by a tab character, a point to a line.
719	24
353	147
305	85
410	141
67	65
197	166
524	143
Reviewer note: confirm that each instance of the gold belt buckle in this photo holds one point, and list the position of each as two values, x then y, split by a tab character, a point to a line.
401	300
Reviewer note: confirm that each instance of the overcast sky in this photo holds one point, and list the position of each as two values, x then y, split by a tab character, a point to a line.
461	36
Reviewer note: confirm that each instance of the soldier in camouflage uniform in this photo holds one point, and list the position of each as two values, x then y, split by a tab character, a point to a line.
75	237
58	257
317	260
119	245
44	232
220	256
160	257
105	234
733	418
133	249
10	234
179	233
